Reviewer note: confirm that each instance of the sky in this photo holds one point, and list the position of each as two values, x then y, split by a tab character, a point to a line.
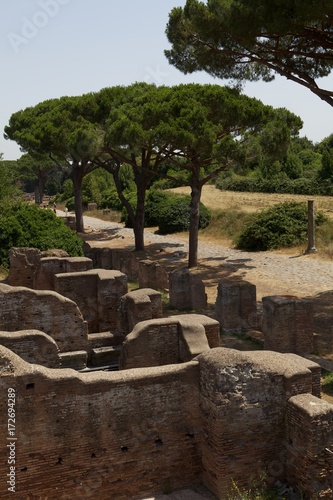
52	48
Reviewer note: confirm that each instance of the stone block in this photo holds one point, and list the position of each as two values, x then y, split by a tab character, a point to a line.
97	293
288	324
152	275
104	356
236	306
139	305
186	290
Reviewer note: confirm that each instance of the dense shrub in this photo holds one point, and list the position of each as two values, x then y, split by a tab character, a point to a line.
283	225
302	185
174	215
29	226
171	213
156	203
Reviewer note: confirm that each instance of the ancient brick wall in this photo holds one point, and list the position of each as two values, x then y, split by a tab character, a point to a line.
139	305
288	324
97	293
122	260
33	346
236	306
48	267
243	401
167	341
152	275
225	416
23	264
309	445
186	290
47	311
102	435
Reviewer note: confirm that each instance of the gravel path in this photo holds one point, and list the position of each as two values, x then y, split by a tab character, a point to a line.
272	273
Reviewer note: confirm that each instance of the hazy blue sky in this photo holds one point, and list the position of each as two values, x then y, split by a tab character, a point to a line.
51	48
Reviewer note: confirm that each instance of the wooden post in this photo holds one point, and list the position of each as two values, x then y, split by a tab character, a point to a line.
311	228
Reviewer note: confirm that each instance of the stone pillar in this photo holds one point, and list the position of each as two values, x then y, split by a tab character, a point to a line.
236	306
152	275
288	324
136	306
309	445
186	290
311	228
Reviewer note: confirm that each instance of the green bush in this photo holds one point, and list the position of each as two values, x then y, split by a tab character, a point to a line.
171	213
111	200
283	225
29	226
174	215
156	203
302	185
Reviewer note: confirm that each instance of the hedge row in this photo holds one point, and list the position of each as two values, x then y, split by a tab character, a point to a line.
292	186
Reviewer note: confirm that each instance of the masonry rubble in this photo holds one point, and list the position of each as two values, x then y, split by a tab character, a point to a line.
180	411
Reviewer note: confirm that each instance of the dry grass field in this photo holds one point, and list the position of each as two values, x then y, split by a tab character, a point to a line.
216	199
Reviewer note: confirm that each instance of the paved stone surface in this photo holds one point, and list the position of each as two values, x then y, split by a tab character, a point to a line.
300	275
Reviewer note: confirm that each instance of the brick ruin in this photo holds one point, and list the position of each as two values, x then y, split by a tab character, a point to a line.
179	411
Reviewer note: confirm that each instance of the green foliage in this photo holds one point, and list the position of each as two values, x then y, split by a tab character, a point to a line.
327	382
174	215
252	184
9	186
171	213
283	225
236	40
29	226
156	202
326	171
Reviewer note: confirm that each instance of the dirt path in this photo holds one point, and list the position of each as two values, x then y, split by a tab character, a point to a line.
273	273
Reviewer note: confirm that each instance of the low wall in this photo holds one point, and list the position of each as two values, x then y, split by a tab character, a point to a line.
165	341
33	346
46	311
100	435
97	293
227	416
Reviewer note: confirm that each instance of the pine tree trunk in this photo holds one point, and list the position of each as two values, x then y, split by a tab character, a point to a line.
194	226
77	181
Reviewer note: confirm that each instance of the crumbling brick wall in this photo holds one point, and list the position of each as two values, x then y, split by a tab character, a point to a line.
167	340
33	346
288	324
138	305
97	293
101	435
309	440
47	311
138	432
48	267
243	399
